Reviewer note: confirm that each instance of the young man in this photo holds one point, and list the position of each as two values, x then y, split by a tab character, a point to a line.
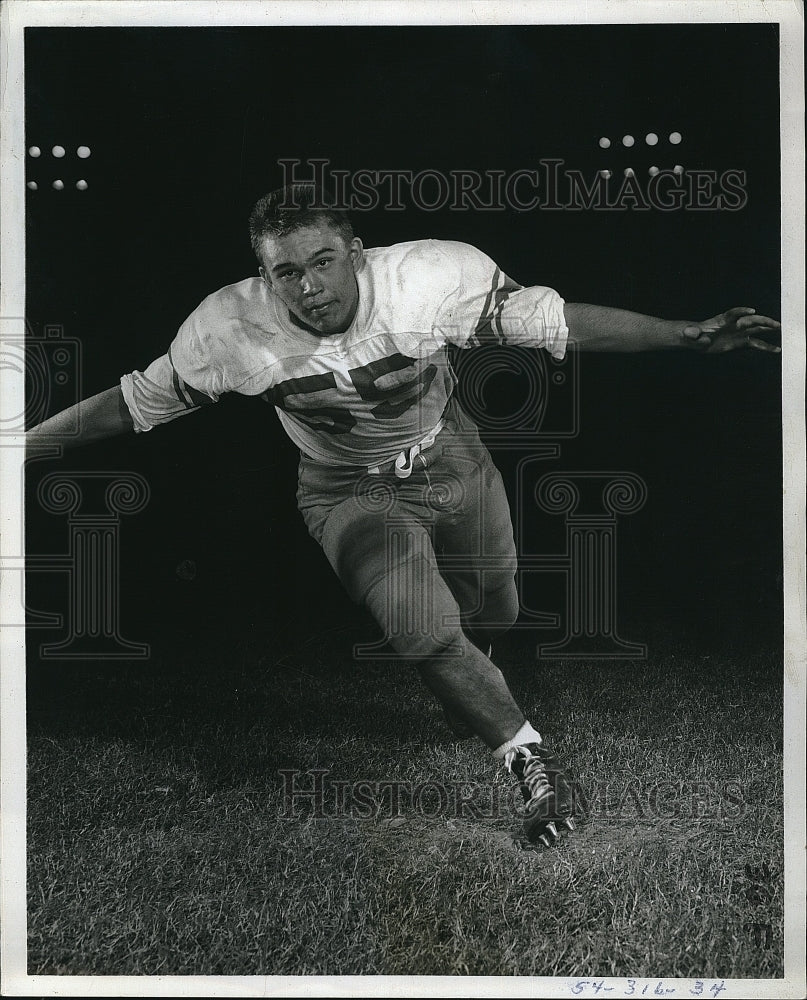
350	345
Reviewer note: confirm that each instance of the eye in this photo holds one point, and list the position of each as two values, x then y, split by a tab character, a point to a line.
324	261
287	274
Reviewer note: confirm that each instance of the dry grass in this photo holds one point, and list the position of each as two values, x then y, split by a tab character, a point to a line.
160	840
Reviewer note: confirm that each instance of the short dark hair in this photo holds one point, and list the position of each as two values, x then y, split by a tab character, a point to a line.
289	208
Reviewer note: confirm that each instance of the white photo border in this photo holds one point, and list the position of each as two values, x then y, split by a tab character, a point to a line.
18	14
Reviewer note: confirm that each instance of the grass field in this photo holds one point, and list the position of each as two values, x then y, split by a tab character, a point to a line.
164	837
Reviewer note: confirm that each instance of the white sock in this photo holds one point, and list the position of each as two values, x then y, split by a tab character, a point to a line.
525	735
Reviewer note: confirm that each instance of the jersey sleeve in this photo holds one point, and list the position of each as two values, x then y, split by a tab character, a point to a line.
175	384
158	395
487	307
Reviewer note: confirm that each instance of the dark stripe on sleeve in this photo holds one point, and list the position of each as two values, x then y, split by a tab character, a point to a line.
197	398
482	329
176	381
489	328
501	296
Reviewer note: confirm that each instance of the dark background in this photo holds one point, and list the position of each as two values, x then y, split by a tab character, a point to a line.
186	127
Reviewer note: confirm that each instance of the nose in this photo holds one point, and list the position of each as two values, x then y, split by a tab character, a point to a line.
310	284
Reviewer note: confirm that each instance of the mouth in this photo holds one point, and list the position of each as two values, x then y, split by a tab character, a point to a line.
320	310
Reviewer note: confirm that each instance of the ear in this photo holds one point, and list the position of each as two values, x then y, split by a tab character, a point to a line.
266	281
356	251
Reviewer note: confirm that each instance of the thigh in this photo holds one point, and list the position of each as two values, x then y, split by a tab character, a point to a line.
475	543
386	561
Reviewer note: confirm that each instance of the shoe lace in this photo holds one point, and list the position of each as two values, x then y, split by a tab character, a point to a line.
533	777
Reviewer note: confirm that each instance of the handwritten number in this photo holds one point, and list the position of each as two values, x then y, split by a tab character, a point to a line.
660	989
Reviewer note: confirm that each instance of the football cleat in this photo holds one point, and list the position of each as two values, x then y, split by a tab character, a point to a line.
547	792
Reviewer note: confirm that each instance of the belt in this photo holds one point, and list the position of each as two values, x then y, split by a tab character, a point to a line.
403	464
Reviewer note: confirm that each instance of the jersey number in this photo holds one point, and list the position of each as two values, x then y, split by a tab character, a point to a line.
391	402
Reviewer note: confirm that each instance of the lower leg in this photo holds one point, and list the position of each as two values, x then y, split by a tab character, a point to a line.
473	688
498	611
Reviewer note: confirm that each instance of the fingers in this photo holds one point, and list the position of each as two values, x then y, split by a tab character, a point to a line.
763	345
741	316
737	327
752	325
733	315
753	322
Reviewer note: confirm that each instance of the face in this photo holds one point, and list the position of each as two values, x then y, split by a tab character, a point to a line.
313	271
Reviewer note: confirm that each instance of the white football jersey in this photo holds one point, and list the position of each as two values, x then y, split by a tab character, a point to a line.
362	396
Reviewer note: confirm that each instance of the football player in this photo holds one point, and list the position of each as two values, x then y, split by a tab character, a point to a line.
350	345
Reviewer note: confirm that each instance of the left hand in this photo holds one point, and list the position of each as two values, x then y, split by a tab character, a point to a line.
735	328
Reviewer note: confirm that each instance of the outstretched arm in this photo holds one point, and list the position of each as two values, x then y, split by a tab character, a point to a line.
600	328
97	417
